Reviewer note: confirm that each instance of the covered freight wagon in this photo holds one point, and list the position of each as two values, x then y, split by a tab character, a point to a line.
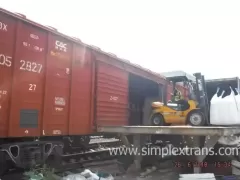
55	85
52	84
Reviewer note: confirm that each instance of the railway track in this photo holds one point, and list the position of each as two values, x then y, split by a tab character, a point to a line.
76	159
96	157
98	152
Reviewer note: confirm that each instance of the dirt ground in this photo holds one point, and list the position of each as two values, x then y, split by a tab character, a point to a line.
157	175
163	172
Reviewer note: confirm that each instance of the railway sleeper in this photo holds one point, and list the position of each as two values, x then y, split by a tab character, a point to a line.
30	154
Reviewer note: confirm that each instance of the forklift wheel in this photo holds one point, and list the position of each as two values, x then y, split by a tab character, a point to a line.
196	118
157	120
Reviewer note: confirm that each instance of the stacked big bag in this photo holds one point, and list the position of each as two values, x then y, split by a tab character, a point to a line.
88	175
225	110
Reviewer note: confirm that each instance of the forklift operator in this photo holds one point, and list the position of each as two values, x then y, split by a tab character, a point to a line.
178	98
177	95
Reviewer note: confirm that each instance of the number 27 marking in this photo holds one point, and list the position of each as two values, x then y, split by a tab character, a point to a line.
32	87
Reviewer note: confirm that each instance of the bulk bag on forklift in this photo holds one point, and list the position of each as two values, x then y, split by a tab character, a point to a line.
224	111
232	140
231	112
237	97
215	107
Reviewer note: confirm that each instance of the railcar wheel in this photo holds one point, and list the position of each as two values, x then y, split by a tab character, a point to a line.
85	140
55	158
80	141
4	165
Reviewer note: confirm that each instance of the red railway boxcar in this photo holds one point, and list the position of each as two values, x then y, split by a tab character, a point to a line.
55	87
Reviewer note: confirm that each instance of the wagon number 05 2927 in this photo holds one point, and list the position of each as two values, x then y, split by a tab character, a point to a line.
30	66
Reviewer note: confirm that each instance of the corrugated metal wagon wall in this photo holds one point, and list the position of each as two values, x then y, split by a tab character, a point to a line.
7	50
57	88
111	95
29	64
52	84
81	92
46	82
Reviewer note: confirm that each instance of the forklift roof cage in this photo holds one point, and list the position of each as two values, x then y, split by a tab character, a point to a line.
179	76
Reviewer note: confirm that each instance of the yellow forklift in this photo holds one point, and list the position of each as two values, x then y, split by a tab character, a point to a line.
192	110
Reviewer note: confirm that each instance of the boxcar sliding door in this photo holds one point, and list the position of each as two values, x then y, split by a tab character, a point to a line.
111	95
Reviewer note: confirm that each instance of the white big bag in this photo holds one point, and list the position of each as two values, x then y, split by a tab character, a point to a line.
232	110
215	108
232	140
224	111
237	97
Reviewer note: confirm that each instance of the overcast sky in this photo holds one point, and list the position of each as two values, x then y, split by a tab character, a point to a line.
162	35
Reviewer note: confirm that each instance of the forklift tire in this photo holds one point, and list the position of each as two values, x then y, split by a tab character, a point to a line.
158	120
196	118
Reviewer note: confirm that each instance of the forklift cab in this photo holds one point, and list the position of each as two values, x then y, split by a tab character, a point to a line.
184	79
192	110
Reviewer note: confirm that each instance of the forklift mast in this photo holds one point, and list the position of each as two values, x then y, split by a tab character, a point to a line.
201	93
